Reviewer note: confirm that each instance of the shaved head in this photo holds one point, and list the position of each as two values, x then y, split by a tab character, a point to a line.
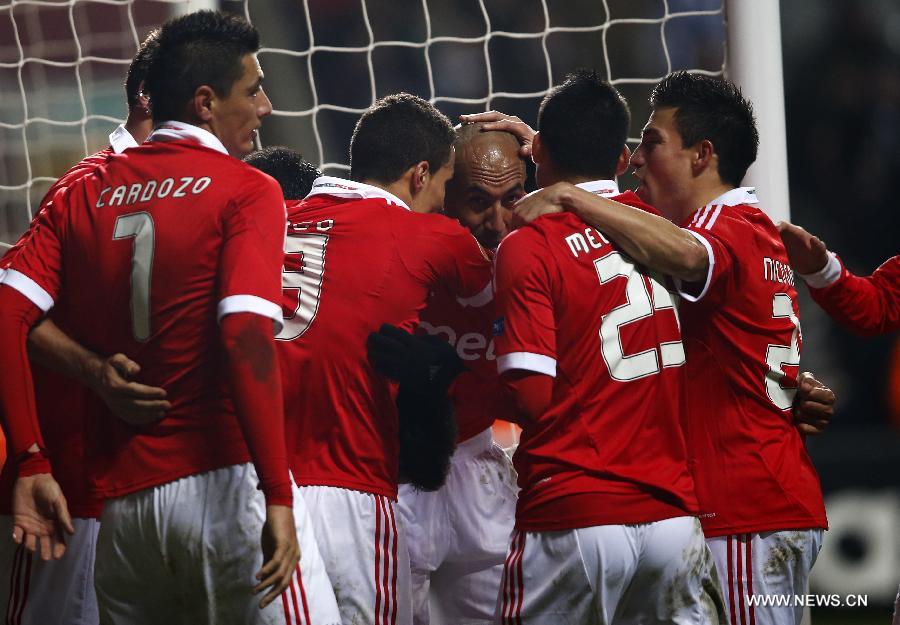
488	179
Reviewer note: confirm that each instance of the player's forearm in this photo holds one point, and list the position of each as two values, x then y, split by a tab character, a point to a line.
648	239
531	392
51	347
254	376
17	404
858	304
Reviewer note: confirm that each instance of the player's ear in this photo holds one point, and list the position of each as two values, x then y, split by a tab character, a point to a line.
202	103
537	149
703	156
420	175
624	159
143	101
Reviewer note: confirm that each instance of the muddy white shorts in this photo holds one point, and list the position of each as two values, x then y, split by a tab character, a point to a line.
458	536
58	592
363	546
187	552
761	573
645	574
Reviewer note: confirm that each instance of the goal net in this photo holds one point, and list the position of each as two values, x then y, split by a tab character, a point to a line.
62	64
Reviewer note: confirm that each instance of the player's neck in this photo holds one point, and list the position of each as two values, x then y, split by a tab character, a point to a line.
138	125
701	196
399	188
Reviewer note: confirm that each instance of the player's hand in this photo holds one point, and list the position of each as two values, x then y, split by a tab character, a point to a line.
495	120
134	403
281	553
806	253
423	363
813	405
40	515
543	202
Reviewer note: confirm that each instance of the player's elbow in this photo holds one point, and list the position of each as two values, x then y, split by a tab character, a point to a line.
691	261
247	341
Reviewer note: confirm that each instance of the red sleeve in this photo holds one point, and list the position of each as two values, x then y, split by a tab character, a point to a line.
525	328
455	259
254	377
867	305
250	268
17	405
532	394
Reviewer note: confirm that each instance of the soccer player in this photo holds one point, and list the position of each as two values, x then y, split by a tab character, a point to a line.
867	305
606	527
171	252
760	499
458	535
357	257
63	591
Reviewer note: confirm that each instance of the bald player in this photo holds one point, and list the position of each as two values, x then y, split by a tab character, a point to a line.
458	535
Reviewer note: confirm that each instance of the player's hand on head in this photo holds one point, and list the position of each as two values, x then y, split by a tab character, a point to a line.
495	120
427	363
813	405
806	252
40	515
134	403
281	553
542	202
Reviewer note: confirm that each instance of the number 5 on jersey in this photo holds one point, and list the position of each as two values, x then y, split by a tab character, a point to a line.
301	282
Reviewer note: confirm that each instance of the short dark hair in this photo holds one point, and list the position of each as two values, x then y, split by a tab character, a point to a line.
714	109
200	48
294	173
397	132
584	125
140	64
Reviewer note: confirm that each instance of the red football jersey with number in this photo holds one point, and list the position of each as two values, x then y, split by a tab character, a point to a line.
62	403
477	394
610	448
151	249
356	258
742	339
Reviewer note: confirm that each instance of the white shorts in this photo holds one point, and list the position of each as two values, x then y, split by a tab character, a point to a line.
458	535
58	592
188	551
363	546
771	563
649	573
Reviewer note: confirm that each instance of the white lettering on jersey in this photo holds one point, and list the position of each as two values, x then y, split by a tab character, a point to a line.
469	346
150	189
578	242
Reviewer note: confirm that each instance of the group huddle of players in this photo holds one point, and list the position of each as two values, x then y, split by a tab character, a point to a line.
241	419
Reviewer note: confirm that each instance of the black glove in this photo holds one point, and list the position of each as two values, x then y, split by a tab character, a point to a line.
428	364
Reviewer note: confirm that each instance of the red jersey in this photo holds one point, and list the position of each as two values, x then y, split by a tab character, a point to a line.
477	394
867	305
742	339
62	403
610	448
150	250
356	258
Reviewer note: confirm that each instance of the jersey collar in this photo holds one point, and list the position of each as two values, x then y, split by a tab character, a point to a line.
603	188
339	187
175	131
120	140
740	195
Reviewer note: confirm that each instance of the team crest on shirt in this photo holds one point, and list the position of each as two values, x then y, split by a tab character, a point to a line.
499	326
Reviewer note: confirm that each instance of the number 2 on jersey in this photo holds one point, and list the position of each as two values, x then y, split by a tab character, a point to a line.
777	356
308	252
140	227
638	306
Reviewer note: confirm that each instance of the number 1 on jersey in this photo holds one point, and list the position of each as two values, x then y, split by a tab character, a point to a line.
140	227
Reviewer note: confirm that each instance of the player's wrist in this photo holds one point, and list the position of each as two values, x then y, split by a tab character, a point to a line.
280	494
32	463
827	275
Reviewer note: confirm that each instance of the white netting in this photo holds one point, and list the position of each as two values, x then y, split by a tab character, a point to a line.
62	64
